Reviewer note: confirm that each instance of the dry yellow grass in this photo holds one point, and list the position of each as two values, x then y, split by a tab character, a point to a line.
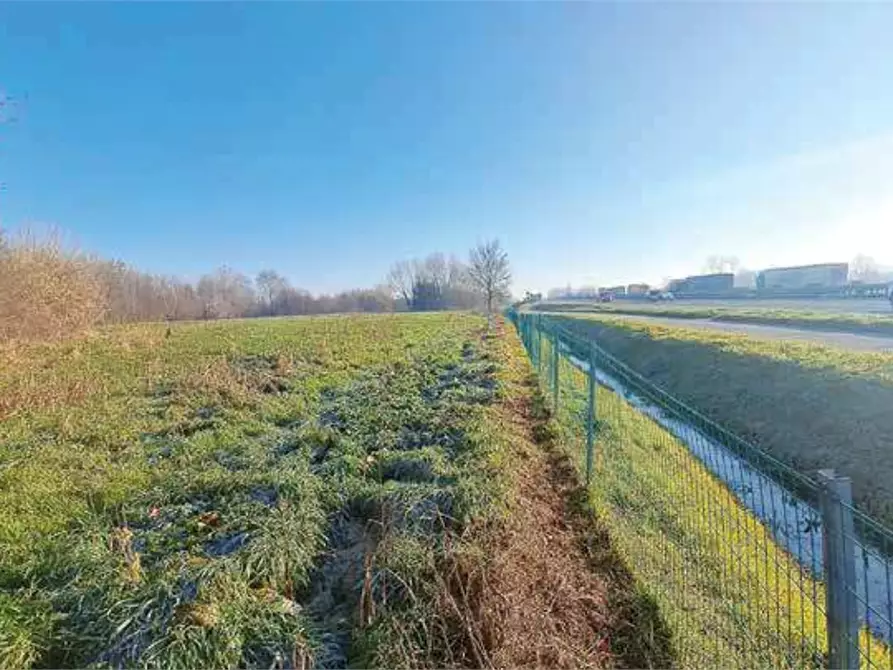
48	292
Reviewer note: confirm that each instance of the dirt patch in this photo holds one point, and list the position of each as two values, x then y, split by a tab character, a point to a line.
541	604
338	587
554	594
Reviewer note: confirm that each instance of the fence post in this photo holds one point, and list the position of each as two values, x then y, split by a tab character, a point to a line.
590	417
841	612
555	360
534	343
539	344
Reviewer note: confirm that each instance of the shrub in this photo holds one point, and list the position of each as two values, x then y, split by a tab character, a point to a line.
46	291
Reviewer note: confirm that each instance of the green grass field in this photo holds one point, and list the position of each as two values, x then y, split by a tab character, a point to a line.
241	493
810	406
868	324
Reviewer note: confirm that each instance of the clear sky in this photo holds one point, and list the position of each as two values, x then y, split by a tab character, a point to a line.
600	143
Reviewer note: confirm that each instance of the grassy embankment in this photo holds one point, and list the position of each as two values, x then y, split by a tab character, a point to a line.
731	595
282	493
866	324
810	406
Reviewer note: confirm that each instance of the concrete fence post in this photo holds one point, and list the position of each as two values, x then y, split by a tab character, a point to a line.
838	548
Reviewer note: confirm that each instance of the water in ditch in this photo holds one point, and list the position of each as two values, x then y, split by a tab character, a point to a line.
795	524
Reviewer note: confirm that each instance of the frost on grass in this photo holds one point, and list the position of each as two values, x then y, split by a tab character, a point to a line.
208	509
394	438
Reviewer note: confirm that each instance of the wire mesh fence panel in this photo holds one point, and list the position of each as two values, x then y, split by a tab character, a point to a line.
726	539
869	591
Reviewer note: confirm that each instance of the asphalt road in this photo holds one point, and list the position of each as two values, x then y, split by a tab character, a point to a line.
830	305
850	341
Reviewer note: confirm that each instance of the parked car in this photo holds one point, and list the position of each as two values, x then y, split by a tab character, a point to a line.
656	295
606	297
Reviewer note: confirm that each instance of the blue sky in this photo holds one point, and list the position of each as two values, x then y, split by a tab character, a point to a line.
598	142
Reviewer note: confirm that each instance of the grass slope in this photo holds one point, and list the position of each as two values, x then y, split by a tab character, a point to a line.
811	406
730	595
866	324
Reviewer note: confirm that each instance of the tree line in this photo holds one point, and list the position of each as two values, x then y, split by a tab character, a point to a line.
49	291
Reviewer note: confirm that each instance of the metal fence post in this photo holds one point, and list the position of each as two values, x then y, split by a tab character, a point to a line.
590	417
841	612
555	360
539	344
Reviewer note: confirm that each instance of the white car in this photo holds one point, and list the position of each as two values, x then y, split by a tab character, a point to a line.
656	295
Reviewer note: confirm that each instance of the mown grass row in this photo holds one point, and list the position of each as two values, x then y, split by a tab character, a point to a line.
240	494
731	596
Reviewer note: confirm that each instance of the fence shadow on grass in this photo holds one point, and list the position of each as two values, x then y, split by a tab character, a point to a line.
640	637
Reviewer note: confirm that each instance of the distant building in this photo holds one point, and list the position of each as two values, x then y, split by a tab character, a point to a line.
637	289
716	283
614	290
822	275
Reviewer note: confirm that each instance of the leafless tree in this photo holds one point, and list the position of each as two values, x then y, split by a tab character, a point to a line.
489	273
435	282
49	290
718	264
225	294
745	278
270	284
865	269
436	270
401	279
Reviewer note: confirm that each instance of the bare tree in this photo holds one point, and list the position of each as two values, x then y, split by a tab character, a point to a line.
50	290
717	264
865	269
225	294
270	284
436	270
401	279
489	272
745	278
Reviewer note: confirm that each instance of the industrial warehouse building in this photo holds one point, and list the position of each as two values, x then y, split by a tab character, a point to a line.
822	275
715	283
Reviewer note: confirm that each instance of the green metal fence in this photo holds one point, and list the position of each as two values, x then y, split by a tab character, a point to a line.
752	563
